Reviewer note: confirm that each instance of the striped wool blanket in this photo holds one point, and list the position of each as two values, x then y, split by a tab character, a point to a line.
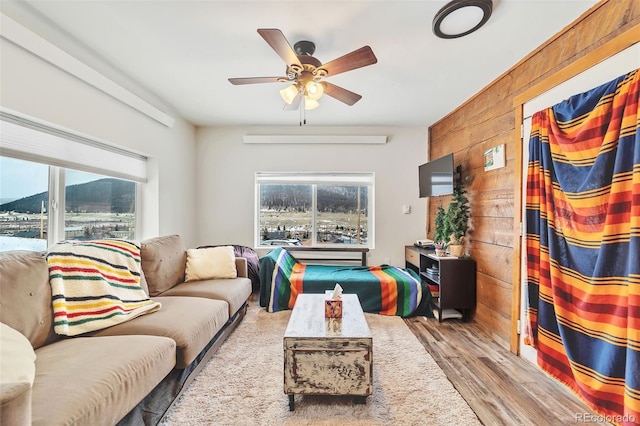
583	245
384	289
96	284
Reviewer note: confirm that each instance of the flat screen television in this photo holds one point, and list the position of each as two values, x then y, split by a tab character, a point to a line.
436	177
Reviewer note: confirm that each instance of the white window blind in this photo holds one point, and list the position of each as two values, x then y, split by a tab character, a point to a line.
361	179
29	140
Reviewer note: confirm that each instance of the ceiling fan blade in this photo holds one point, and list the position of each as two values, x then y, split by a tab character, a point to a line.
357	59
254	80
343	95
279	43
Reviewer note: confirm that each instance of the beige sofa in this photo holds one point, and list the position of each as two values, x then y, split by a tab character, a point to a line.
129	373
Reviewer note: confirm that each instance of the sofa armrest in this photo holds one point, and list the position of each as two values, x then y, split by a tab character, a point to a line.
241	267
17	373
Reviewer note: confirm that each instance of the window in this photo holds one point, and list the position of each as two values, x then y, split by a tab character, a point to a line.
98	206
314	209
57	185
24	218
94	206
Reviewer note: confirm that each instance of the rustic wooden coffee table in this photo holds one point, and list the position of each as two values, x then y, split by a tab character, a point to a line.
327	356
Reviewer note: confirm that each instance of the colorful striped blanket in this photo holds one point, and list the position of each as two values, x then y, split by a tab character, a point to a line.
95	284
583	245
385	289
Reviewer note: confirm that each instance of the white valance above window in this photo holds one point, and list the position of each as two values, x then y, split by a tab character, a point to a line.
29	140
319	178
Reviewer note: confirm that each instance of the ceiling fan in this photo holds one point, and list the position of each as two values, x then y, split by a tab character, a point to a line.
305	73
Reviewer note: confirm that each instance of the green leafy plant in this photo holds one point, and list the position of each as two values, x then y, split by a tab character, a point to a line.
441	234
456	216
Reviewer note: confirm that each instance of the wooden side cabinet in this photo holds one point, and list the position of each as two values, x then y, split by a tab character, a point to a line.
453	279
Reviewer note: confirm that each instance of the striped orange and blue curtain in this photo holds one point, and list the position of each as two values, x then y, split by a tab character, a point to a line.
583	246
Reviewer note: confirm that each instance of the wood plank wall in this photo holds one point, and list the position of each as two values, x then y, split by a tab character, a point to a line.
487	120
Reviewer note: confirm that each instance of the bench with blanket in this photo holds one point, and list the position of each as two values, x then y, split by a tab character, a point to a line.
384	289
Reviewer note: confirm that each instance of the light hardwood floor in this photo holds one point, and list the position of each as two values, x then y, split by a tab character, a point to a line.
502	389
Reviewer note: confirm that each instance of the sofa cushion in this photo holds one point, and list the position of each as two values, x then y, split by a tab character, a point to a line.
163	262
143	282
97	380
235	291
208	263
190	321
241	267
25	296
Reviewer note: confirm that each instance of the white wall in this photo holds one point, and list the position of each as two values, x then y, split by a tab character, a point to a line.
200	182
226	167
33	87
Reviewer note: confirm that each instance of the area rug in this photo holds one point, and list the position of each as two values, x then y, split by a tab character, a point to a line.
243	383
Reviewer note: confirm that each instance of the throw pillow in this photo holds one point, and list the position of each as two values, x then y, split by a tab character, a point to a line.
210	263
17	358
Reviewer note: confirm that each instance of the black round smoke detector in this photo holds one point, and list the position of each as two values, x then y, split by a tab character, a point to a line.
461	17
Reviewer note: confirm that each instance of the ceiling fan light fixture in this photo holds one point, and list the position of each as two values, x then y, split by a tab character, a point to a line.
314	90
459	18
310	104
289	93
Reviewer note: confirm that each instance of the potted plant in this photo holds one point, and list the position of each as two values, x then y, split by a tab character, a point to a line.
456	218
442	230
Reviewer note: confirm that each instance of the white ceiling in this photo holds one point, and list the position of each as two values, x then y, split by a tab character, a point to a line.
181	52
